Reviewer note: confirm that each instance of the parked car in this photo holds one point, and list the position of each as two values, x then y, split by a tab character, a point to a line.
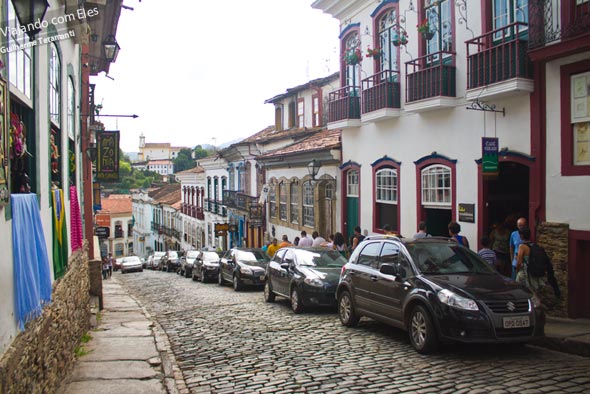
206	266
156	259
117	263
187	262
307	276
438	291
131	264
243	266
171	261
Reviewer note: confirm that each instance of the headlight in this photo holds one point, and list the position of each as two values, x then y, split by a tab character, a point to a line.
313	282
246	271
456	301
212	265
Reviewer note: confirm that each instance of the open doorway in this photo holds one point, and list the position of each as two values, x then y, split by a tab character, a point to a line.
506	196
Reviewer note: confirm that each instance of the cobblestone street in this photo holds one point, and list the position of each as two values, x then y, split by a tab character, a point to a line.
226	341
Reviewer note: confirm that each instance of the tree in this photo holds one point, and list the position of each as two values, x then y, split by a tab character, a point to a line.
184	160
200	152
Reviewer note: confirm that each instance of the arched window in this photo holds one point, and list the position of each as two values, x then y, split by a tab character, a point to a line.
436	186
352	42
272	200
388	31
308	211
352	184
386	198
282	201
330	191
438	14
54	84
294	194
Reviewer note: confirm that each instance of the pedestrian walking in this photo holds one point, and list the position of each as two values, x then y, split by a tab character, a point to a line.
305	240
454	230
273	247
340	244
357	238
285	242
486	253
515	242
110	262
318	240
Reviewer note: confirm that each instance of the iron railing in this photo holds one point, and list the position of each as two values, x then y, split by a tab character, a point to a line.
344	103
429	76
552	21
498	55
381	90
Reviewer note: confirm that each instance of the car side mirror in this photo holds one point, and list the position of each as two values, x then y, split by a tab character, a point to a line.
388	269
285	266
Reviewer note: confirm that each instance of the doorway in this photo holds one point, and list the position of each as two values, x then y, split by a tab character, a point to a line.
437	221
506	196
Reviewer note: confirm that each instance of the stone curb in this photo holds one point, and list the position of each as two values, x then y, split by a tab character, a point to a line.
564	345
173	378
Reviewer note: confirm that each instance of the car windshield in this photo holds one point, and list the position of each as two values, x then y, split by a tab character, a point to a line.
328	258
210	256
159	254
447	258
192	254
172	255
132	259
252	256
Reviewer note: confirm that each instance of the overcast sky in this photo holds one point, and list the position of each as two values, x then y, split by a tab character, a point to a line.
195	70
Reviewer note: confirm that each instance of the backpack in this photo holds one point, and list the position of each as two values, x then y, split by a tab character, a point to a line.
538	260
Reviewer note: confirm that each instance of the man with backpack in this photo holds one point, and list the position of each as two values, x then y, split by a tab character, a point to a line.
533	264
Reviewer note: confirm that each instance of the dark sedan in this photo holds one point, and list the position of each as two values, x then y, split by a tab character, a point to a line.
206	266
243	266
307	276
438	291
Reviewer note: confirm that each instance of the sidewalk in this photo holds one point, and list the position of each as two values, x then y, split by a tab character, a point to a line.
127	352
567	335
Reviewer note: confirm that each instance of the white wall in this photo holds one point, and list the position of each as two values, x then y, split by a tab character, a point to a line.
566	195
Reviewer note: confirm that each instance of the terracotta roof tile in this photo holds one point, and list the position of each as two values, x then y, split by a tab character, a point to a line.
194	170
168	194
117	203
326	139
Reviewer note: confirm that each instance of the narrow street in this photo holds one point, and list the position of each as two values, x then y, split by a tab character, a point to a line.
226	341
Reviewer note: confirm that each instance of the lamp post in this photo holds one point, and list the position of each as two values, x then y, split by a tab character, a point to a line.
111	49
30	13
313	168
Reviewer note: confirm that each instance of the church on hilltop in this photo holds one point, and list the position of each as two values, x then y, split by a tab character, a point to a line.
156	150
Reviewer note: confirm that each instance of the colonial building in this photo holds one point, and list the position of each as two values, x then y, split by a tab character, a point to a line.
444	108
215	210
156	150
192	208
143	237
116	215
162	167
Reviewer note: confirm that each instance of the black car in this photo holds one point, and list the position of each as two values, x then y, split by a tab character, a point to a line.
187	263
307	276
243	266
438	291
171	261
206	266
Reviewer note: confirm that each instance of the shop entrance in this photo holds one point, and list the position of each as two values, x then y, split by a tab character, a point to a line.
506	196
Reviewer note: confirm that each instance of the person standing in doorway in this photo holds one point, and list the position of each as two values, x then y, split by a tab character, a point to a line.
515	242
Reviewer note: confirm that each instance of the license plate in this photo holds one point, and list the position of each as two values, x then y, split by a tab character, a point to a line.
261	277
516	322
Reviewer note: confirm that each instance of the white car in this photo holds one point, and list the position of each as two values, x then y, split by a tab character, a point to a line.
156	258
130	264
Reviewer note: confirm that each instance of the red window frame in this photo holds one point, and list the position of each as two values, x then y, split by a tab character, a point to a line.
394	165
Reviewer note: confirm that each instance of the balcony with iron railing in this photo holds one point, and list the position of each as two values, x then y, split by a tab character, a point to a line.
430	82
498	64
380	96
238	200
558	21
344	109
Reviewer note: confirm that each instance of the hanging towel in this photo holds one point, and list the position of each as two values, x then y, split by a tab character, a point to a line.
60	234
31	264
75	220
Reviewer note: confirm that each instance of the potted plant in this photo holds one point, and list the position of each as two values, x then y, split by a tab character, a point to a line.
400	38
424	29
353	56
374	53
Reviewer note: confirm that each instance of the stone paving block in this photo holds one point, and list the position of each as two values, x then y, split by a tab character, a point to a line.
152	386
112	370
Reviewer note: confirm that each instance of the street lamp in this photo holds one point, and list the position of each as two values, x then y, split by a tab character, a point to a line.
30	13
111	49
313	168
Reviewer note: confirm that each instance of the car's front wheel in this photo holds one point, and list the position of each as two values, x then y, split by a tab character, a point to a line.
346	312
202	277
237	283
422	332
296	304
220	280
269	295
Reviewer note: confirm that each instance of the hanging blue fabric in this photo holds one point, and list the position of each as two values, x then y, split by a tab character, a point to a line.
32	277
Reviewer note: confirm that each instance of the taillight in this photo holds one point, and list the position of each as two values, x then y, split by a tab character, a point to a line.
342	271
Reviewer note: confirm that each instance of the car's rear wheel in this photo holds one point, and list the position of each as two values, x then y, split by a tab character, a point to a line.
296	303
269	296
237	283
346	312
220	280
422	332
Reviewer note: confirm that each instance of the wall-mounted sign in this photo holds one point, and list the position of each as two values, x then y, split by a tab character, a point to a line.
102	232
489	155
107	162
467	213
